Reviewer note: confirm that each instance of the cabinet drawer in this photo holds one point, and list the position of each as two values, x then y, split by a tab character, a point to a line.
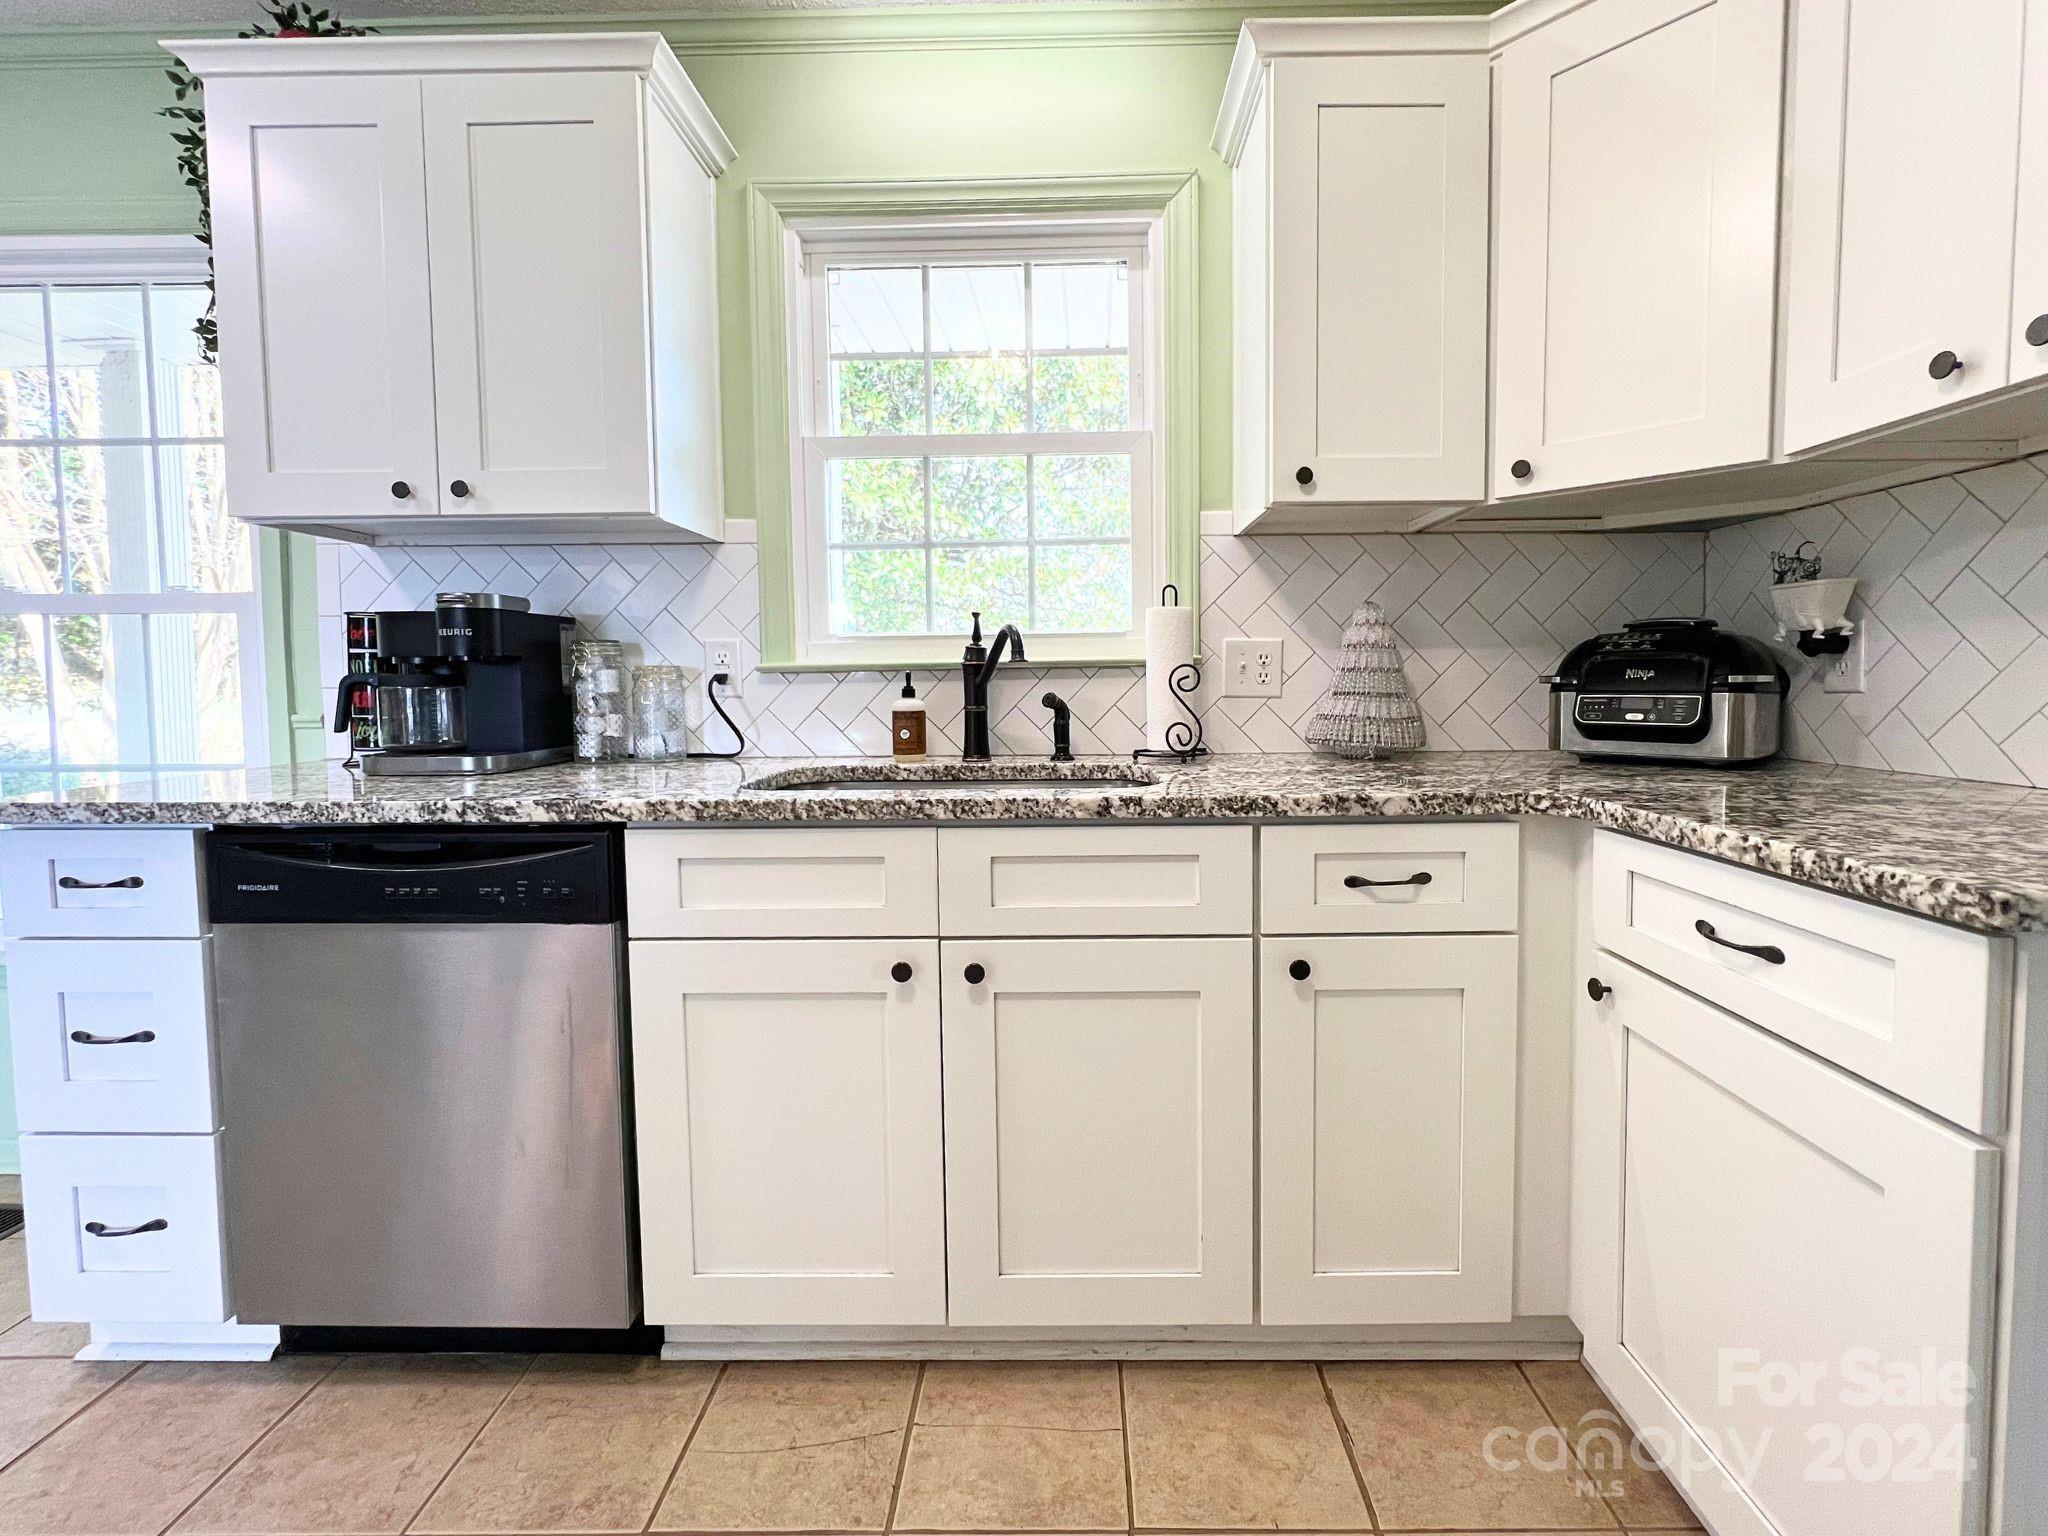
1912	1005
101	883
1438	877
1030	882
1779	1217
111	1035
775	882
124	1228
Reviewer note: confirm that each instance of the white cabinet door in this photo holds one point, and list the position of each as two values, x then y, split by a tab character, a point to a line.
540	293
1781	1238
787	1109
1387	1129
1902	154
2030	243
1379	208
1636	259
320	253
1099	1131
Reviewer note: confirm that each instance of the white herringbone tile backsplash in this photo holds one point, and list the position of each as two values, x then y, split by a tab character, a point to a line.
1952	597
1479	616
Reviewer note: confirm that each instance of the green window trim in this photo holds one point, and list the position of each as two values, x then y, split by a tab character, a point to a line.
770	207
286	575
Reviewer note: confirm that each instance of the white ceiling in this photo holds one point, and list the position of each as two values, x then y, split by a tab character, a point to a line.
159	15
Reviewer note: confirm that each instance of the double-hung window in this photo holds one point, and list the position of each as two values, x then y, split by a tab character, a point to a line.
977	407
130	620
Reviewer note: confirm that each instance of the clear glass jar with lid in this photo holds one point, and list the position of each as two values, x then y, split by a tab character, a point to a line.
661	728
602	685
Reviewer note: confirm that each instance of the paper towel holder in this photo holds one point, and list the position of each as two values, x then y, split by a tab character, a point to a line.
1183	737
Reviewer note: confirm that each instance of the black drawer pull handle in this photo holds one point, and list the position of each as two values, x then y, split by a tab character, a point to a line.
1596	988
975	975
86	1037
900	971
101	1229
1359	882
125	883
1767	952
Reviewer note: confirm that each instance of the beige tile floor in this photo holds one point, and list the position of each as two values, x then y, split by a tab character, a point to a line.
556	1444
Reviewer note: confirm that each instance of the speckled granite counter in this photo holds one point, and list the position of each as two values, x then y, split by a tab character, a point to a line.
1969	853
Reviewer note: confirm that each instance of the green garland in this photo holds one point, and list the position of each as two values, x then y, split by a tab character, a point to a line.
287	20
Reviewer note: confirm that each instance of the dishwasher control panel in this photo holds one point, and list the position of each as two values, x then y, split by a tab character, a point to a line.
412	875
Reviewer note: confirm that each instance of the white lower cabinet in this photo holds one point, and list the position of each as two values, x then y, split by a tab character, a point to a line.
1099	1131
1387	1128
787	1105
124	1227
1784	1270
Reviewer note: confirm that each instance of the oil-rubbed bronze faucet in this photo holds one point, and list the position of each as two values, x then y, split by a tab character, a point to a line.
977	665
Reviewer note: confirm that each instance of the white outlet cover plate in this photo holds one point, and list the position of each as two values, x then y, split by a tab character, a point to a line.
1253	669
723	655
1844	673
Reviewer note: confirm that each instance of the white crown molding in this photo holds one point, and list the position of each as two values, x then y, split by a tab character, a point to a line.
1260	42
101	258
646	54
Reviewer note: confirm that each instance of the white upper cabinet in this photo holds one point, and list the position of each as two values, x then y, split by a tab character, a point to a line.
467	285
1902	156
320	246
2030	243
540	372
1361	208
1638	191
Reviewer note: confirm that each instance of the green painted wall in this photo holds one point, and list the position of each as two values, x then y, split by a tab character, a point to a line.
932	93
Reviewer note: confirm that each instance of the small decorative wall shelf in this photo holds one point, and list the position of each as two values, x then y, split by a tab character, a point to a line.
1817	612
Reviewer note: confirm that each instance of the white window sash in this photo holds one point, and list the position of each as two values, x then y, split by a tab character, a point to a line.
812	247
133	261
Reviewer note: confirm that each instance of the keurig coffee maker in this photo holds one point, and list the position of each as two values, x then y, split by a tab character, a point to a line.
475	686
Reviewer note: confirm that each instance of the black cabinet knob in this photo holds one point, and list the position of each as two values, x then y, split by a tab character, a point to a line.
1304	476
1299	970
1944	365
2037	331
1521	469
975	975
400	491
458	489
1596	988
900	971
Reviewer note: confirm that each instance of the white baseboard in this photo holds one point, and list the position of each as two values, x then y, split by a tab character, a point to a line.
181	1341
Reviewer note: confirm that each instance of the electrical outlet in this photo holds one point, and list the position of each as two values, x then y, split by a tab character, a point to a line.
1253	669
724	656
1844	673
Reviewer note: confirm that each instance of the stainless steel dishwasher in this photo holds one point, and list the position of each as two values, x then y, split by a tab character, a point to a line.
421	1049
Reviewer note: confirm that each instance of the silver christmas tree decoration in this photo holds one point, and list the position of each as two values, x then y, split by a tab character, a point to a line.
1370	709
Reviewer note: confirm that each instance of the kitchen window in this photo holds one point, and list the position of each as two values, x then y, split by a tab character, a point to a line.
977	410
130	616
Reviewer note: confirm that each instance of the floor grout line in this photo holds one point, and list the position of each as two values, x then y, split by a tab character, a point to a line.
1571	1445
119	1381
1123	1413
525	1371
654	1510
903	1455
242	1455
1350	1450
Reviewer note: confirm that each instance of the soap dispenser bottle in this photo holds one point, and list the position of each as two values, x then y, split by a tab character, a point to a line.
907	726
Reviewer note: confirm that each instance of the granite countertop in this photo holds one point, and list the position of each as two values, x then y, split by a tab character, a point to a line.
1964	852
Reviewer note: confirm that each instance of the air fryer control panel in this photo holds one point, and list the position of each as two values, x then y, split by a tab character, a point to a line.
1649	709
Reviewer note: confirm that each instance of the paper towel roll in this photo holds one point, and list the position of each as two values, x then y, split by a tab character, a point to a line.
1169	643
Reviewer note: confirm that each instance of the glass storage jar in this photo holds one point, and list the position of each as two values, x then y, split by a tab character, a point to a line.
602	684
661	728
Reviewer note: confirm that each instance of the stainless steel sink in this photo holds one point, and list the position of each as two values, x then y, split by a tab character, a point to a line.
893	778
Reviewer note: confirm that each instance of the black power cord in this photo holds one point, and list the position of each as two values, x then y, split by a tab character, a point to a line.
711	687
